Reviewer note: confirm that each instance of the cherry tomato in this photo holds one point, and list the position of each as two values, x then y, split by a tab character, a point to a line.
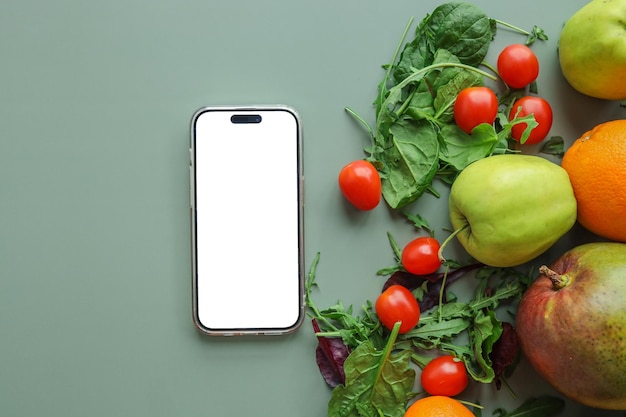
359	182
420	256
542	111
474	106
518	65
397	304
444	375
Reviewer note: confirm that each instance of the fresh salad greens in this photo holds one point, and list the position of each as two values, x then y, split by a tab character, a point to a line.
414	141
415	138
371	369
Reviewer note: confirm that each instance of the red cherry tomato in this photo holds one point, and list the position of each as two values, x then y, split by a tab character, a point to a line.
542	111
359	182
397	304
421	256
518	65
444	375
474	106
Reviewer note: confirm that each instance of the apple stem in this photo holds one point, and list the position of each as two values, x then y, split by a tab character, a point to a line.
448	239
558	280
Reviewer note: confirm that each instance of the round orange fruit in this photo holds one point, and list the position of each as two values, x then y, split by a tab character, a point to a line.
596	164
438	406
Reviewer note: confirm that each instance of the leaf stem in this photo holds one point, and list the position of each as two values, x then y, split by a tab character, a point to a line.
490	67
361	120
510	26
448	240
383	85
441	292
310	282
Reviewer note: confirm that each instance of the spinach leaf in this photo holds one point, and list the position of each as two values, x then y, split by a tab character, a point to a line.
416	54
448	91
410	162
462	28
378	382
462	149
407	126
435	94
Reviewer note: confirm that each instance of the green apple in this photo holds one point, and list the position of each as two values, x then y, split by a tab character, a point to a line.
592	49
508	209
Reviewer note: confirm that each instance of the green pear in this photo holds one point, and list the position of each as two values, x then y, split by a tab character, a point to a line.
571	324
508	209
592	49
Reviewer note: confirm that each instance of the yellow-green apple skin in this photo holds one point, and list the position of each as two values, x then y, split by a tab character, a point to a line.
511	208
592	49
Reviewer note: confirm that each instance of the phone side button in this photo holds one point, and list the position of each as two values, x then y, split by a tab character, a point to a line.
191	188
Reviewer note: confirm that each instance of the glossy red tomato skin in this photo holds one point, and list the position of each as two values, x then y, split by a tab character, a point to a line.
542	111
518	65
444	375
474	106
359	182
396	304
421	256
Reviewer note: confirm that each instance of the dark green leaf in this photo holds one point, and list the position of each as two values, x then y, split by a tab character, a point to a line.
375	380
415	54
419	222
410	162
486	330
462	28
536	34
433	330
447	93
554	146
462	149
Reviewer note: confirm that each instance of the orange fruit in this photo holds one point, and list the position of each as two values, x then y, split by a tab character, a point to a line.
438	406
596	164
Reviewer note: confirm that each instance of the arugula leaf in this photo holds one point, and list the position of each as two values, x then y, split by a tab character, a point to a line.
378	382
485	331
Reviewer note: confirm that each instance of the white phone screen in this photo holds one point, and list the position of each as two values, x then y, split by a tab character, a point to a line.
248	220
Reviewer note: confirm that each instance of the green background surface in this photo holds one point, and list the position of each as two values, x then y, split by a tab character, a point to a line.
95	104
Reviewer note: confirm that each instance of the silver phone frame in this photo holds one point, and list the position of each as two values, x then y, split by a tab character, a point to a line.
192	204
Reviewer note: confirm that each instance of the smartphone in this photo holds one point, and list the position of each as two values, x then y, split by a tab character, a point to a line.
247	205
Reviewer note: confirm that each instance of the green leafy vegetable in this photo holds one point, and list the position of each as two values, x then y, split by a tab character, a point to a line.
462	28
414	141
415	138
476	318
378	382
554	146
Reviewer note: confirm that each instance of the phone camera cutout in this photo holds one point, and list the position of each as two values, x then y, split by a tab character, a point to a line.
245	118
